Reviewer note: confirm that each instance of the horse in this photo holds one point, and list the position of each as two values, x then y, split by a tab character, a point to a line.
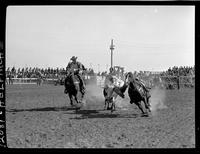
137	94
73	88
111	92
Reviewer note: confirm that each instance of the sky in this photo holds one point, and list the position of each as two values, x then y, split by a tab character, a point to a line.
146	38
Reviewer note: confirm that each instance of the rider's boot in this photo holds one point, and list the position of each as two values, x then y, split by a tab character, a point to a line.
147	92
148	95
82	87
144	87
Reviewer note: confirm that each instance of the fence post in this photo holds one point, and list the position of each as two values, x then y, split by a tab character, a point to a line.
178	82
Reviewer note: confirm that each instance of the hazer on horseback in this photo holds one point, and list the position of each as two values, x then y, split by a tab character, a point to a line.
75	68
142	84
138	92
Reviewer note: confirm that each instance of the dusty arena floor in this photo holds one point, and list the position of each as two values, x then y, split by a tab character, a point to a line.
41	117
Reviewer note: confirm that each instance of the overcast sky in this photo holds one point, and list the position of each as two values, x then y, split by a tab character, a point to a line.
145	37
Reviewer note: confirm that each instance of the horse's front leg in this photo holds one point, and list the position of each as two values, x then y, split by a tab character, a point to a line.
146	103
105	104
106	99
71	99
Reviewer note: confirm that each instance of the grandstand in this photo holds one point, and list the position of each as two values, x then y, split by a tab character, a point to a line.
168	78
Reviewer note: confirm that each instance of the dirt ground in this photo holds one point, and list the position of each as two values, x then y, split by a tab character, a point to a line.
41	117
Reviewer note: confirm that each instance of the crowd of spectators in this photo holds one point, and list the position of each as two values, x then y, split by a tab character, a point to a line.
34	72
179	71
169	76
174	71
184	74
56	72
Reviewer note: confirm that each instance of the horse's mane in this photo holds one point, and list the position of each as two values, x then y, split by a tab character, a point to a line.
132	80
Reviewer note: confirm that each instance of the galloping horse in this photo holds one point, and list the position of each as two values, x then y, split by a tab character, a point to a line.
73	88
137	94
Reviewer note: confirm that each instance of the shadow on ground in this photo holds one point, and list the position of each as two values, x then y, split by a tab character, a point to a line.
85	114
43	109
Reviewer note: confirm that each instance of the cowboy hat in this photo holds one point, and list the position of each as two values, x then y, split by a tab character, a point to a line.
73	58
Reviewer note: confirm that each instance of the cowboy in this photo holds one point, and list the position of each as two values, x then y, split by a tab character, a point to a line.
76	67
141	83
111	77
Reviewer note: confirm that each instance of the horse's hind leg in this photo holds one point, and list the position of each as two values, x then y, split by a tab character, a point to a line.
148	104
77	100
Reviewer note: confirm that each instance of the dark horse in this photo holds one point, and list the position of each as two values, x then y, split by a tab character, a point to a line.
137	94
73	88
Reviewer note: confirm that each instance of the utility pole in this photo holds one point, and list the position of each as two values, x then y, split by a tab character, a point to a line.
98	68
111	49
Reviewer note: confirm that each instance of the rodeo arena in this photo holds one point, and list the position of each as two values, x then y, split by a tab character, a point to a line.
118	109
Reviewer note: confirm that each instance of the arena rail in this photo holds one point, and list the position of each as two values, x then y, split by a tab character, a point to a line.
163	81
28	81
45	81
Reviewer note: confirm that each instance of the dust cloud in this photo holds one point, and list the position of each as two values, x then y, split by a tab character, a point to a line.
122	103
94	94
157	100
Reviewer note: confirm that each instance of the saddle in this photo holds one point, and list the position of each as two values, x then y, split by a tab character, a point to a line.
141	90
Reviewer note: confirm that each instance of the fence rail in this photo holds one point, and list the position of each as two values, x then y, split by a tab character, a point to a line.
162	81
27	80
